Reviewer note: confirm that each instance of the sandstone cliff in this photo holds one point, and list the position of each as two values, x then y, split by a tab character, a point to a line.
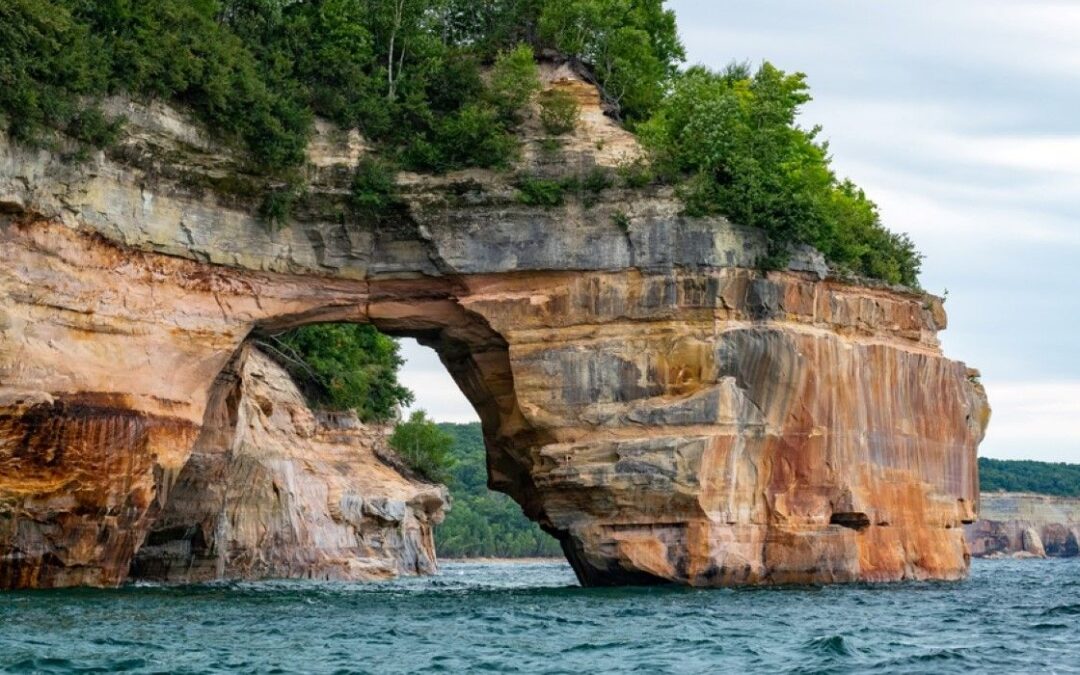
274	491
663	408
1013	523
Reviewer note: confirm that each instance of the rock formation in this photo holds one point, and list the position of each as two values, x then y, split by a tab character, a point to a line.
661	406
1025	525
273	491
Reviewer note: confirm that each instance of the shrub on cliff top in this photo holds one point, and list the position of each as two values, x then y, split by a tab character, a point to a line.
559	112
731	141
632	47
374	192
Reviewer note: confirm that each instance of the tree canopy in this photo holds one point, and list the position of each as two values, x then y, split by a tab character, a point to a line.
483	523
407	73
731	141
632	46
424	446
343	367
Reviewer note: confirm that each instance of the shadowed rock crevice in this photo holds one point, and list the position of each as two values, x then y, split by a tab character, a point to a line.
851	520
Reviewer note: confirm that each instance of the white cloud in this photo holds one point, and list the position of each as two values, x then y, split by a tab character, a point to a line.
1034	420
436	392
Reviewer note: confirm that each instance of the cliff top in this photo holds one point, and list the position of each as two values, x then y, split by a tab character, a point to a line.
437	92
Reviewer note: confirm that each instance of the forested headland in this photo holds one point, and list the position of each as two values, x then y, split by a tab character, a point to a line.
438	86
1048	478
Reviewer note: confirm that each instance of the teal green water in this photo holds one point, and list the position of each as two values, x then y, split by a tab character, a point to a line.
1011	616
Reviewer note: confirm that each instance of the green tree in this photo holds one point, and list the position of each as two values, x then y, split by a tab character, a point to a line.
632	45
514	80
424	447
47	59
559	112
731	139
179	50
409	75
1058	479
343	367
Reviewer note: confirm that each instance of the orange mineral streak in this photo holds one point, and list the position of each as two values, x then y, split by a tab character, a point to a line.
679	440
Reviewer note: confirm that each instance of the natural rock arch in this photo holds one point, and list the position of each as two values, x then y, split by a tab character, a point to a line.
665	409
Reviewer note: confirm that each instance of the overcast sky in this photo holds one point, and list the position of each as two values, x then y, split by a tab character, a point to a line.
961	118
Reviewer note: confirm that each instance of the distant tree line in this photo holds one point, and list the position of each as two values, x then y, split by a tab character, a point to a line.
483	523
1001	475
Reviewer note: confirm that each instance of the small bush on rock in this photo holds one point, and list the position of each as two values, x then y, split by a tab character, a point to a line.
559	112
424	447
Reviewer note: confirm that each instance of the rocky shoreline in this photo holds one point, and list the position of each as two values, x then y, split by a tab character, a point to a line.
1025	525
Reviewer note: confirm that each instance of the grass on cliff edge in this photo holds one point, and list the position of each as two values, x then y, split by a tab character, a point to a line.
410	75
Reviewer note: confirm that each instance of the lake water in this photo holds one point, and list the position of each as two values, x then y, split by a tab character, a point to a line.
1012	616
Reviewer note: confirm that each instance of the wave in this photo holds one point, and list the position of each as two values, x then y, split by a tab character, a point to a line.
833	645
1063	610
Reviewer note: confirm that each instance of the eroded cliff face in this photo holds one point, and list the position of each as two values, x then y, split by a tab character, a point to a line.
663	408
274	491
1025	525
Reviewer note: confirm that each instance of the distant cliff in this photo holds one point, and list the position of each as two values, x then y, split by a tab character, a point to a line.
1025	524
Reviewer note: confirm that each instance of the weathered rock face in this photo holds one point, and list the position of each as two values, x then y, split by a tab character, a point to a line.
664	409
1012	523
273	491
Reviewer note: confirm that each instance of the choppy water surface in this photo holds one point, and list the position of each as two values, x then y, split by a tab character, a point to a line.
1012	615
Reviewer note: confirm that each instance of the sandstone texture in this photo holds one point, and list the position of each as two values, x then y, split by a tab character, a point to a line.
273	490
666	410
1025	525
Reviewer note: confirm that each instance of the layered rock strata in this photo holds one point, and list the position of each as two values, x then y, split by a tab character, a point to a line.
272	490
1025	525
663	408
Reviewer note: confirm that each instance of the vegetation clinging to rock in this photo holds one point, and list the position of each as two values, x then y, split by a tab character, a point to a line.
558	112
424	447
731	142
343	367
410	75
